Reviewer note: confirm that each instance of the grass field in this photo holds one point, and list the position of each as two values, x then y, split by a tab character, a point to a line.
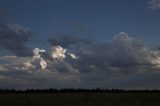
80	99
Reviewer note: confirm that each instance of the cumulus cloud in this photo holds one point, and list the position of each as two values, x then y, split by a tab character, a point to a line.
73	56
13	37
91	63
58	52
123	55
154	4
33	69
43	64
38	59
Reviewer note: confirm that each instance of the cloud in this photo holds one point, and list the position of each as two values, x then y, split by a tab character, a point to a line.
92	64
154	4
123	51
43	64
124	55
38	68
69	41
3	68
38	59
58	52
10	80
14	37
73	56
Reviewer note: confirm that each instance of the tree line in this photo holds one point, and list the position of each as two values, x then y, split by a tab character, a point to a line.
73	90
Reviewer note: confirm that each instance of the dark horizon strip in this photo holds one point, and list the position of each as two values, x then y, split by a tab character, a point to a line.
79	90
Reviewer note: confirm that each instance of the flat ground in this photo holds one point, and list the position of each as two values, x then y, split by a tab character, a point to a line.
80	99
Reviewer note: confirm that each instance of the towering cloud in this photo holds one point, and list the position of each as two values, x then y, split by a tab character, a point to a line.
58	52
37	59
43	63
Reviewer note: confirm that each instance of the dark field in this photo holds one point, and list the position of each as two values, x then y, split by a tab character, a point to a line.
81	99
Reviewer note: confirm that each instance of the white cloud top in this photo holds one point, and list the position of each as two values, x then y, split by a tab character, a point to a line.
37	58
73	56
58	52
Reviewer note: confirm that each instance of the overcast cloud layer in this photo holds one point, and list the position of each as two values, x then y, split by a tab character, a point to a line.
125	62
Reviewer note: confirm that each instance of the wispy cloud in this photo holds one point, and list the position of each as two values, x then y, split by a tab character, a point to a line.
154	4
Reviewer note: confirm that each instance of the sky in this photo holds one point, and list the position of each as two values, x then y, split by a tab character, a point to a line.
80	44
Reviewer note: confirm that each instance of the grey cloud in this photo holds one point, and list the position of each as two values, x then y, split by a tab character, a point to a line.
22	79
14	37
122	63
154	4
122	56
22	68
122	52
68	41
